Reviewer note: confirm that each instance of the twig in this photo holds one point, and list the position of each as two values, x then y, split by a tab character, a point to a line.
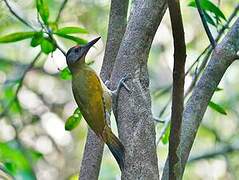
163	131
211	154
208	51
60	11
56	44
196	61
220	33
17	16
204	22
156	119
29	67
49	32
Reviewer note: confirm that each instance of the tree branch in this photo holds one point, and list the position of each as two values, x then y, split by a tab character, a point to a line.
117	25
178	86
207	51
92	157
17	16
63	5
222	57
135	120
219	151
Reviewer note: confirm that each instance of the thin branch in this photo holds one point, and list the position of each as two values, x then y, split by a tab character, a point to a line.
164	129
56	44
117	25
222	58
29	67
207	51
17	16
211	154
178	86
204	22
158	120
60	11
50	34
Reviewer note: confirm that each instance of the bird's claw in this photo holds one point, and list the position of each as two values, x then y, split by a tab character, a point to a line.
107	84
123	80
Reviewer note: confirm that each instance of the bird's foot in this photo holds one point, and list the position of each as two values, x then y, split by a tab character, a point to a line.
122	84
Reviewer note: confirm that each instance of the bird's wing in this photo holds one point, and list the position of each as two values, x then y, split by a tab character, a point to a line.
88	94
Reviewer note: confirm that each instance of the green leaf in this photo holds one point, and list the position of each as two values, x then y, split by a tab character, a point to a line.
209	19
37	39
209	6
15	160
71	30
73	120
217	108
65	74
10	167
9	92
165	137
18	36
16	106
77	112
43	10
218	89
47	46
73	38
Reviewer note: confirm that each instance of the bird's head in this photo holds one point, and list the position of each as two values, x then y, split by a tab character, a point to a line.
78	53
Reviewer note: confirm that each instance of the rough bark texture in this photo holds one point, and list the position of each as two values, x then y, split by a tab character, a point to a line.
90	165
135	121
93	152
117	25
178	86
222	57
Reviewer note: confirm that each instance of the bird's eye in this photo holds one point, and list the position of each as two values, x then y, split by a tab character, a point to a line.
77	50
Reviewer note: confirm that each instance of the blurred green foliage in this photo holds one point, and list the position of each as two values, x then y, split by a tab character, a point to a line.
30	148
13	157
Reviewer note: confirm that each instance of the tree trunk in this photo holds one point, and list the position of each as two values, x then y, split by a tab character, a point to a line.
135	122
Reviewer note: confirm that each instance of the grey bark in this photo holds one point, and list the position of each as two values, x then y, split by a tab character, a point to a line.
223	56
117	25
90	166
135	121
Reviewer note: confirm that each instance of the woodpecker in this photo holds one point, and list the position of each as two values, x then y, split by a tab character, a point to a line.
93	98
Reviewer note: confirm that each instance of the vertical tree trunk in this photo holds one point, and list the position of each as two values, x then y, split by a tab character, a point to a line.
135	122
90	166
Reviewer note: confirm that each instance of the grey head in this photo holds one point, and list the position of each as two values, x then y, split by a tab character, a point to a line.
78	53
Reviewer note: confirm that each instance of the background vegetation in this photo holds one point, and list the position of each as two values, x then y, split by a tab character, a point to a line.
36	98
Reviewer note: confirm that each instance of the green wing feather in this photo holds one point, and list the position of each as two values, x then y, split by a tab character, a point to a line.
88	94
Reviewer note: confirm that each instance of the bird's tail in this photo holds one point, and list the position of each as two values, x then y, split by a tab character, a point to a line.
115	146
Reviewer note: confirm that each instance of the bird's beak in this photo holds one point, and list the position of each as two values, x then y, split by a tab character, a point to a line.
89	45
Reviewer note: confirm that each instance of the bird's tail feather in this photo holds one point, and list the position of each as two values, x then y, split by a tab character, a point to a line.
115	146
